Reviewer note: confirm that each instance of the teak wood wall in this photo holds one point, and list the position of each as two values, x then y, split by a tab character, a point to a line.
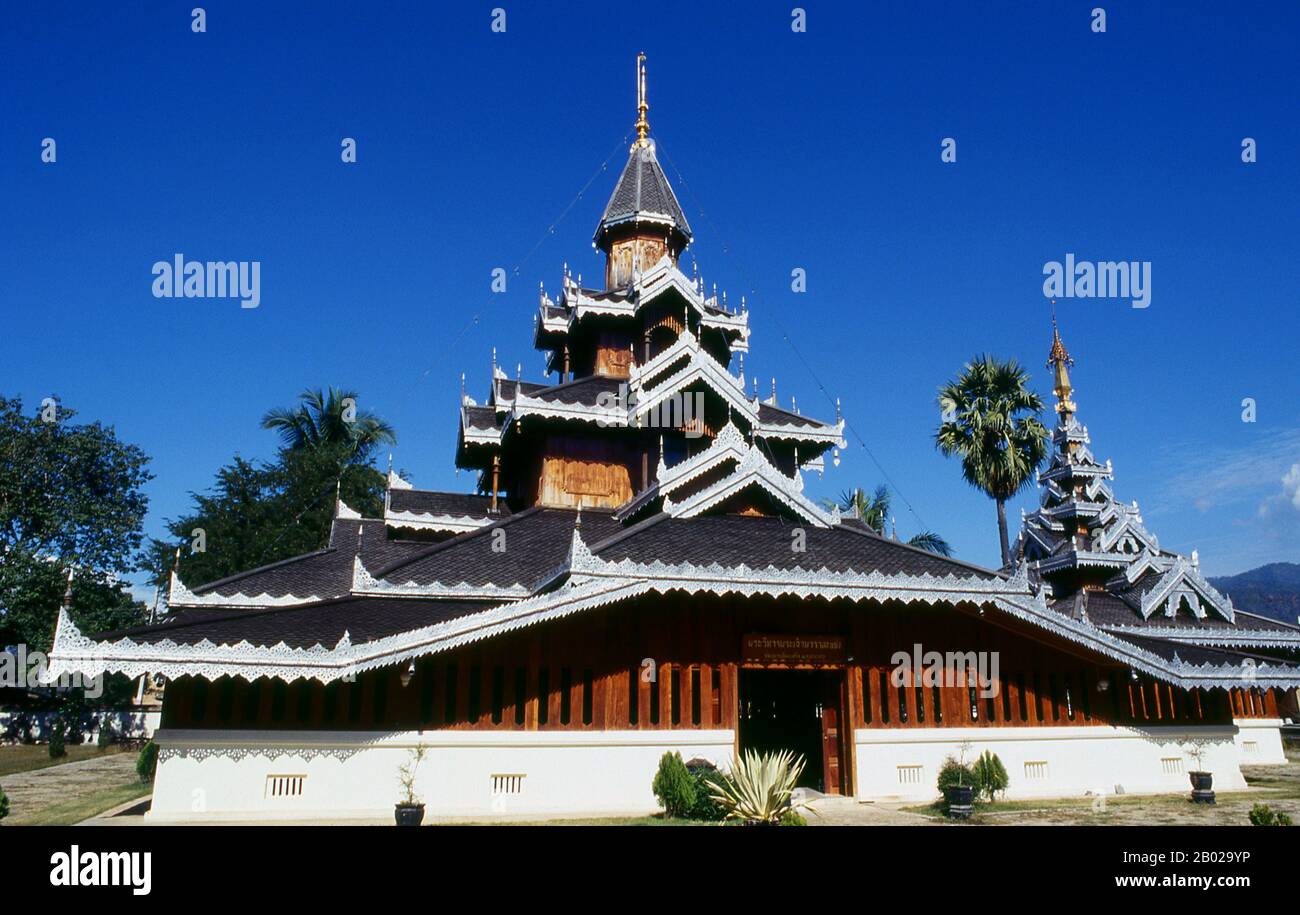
587	673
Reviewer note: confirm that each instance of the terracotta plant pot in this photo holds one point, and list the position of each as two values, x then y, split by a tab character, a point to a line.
961	800
408	814
1202	787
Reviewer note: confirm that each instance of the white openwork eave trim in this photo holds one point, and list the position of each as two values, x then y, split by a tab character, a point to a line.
431	521
75	652
179	596
366	585
598	582
1223	638
683	347
754	469
701	367
1184	582
728	444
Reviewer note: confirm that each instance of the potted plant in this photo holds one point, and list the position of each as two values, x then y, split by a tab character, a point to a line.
957	783
410	810
1202	780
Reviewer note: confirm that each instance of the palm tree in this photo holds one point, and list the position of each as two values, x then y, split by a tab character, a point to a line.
991	423
873	510
330	420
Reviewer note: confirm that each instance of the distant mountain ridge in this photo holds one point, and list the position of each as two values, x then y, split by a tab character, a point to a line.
1271	590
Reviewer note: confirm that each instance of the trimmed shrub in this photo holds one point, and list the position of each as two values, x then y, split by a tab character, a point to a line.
1264	815
674	786
954	773
790	818
4	804
106	736
57	749
990	775
146	764
706	780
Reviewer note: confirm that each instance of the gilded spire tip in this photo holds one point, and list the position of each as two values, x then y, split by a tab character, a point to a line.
1058	354
1059	359
642	106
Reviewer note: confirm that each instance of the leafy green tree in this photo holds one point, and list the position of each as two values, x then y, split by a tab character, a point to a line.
57	748
991	775
32	590
674	786
991	424
258	513
872	510
70	497
146	762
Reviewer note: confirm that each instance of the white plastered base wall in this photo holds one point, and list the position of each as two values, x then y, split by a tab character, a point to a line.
232	775
1260	741
903	763
247	775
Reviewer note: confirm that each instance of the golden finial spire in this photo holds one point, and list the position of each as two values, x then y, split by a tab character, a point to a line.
642	125
67	592
1059	359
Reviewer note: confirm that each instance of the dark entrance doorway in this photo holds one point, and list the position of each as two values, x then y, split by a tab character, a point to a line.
800	711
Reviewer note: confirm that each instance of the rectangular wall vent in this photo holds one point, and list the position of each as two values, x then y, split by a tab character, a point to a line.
284	785
1036	769
1171	765
507	784
1250	747
909	775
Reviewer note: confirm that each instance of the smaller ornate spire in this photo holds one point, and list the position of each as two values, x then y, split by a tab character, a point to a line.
1059	359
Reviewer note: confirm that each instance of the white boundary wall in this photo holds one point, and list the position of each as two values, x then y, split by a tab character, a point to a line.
229	775
134	723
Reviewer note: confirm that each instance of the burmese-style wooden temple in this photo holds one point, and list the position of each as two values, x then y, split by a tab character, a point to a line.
640	570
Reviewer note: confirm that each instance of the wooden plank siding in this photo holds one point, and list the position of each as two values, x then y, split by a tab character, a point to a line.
587	673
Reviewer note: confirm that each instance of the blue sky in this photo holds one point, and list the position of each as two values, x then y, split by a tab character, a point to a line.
818	150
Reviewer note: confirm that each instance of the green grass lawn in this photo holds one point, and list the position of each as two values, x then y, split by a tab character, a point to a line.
26	758
1060	803
82	807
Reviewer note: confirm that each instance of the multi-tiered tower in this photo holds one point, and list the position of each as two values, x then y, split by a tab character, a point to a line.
643	380
1084	541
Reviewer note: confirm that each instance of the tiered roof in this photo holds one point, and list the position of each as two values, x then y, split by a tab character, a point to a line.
564	562
643	195
1100	563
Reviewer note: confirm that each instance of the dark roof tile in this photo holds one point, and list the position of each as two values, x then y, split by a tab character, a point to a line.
444	503
364	619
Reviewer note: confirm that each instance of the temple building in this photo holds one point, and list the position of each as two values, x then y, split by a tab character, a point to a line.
640	570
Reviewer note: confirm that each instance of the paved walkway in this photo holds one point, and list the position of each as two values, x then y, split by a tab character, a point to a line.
845	811
30	791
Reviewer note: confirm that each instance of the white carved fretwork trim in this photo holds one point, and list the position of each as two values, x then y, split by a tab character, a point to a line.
179	596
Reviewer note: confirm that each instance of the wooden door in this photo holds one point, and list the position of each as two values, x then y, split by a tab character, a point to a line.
832	736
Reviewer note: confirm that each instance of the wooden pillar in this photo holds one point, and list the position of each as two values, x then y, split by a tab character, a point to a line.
530	684
496	479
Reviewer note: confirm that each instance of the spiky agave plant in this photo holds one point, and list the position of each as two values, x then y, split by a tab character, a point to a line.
759	786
